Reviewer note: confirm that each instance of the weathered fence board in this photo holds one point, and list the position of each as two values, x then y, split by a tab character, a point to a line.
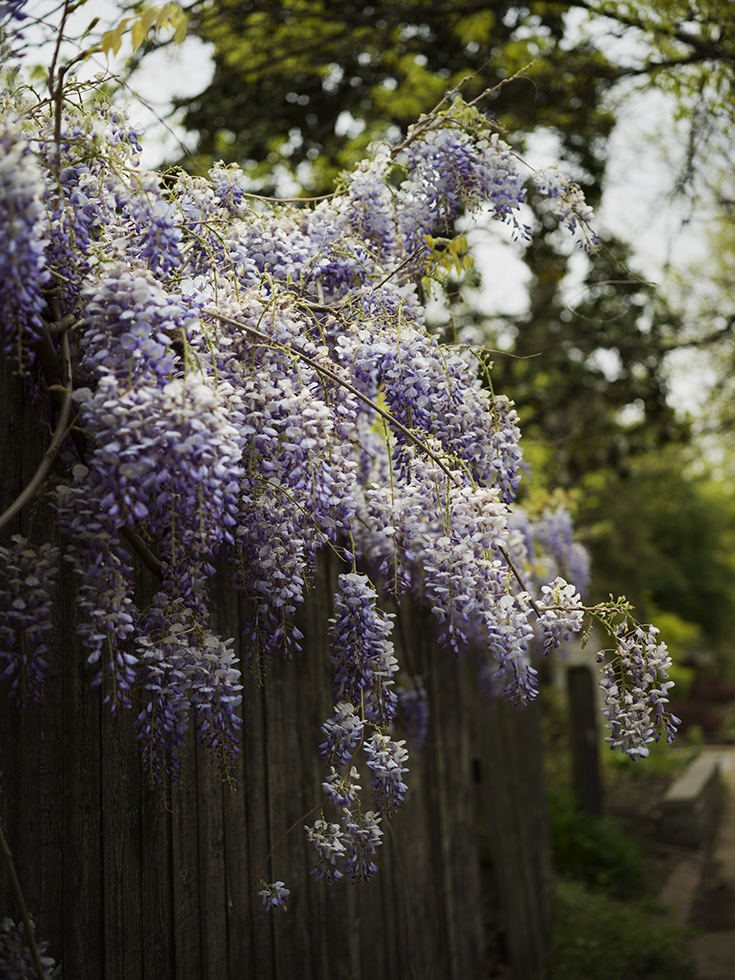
124	889
512	791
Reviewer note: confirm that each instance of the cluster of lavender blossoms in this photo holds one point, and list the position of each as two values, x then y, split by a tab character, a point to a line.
251	383
16	959
636	684
25	597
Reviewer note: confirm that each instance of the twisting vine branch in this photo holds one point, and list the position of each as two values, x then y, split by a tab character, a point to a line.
60	433
28	927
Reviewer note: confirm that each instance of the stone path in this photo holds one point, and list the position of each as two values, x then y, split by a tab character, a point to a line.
701	889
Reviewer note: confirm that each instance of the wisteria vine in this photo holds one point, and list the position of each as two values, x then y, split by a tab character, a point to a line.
257	380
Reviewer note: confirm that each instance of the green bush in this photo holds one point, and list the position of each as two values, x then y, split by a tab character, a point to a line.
595	851
596	937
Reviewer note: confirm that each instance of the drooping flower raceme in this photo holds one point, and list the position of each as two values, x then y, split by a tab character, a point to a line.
344	731
363	655
386	757
562	612
568	204
16	959
414	704
274	895
636	684
24	232
182	668
26	582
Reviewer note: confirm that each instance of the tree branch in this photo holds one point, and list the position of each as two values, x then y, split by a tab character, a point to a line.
61	430
15	885
143	551
517	576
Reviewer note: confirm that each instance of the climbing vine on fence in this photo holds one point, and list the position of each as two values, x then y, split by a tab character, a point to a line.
241	376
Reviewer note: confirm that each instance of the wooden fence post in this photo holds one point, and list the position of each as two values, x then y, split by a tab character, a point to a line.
586	780
512	790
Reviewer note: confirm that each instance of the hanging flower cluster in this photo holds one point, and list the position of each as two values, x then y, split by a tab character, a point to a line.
16	959
25	598
636	684
258	381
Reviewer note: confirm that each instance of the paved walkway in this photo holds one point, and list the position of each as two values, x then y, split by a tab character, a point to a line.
701	889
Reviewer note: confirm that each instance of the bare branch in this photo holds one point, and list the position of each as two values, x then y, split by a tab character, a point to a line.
143	551
517	576
61	430
15	885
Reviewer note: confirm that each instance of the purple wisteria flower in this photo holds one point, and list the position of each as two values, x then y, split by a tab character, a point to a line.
12	9
341	790
363	654
167	456
26	583
326	840
553	533
369	205
414	704
352	846
432	390
568	204
636	685
386	757
183	668
361	838
344	731
254	383
562	613
274	895
24	231
106	583
450	169
16	959
130	325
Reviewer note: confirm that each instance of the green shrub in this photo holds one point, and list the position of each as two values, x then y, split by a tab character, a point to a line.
596	937
595	851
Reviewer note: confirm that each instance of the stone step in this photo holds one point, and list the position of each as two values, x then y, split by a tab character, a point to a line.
689	808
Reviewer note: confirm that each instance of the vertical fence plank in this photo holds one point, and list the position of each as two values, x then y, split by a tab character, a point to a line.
156	907
512	790
586	779
82	905
212	890
31	752
121	849
184	895
258	835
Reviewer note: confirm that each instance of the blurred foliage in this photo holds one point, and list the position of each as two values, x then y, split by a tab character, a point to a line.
316	81
595	850
663	532
596	936
589	378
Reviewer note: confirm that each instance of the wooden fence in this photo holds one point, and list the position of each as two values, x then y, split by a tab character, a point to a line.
125	890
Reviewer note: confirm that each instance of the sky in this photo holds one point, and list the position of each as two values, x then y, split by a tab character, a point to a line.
637	205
